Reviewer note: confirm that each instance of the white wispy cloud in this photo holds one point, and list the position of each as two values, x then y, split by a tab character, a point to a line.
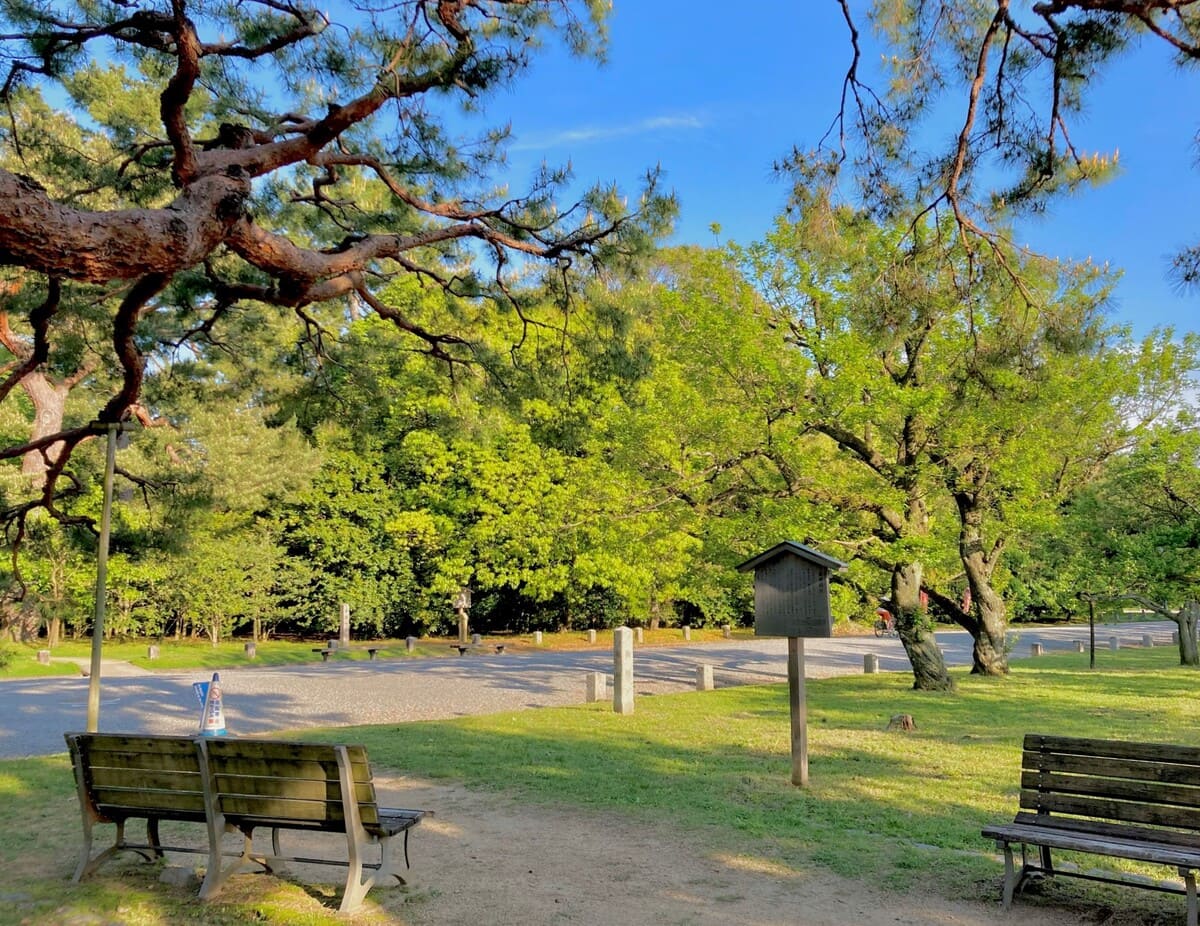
587	135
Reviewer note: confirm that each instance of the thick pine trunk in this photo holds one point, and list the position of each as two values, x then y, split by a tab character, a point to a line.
916	631
990	617
1186	619
49	408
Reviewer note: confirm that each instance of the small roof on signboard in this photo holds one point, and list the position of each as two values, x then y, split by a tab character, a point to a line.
796	549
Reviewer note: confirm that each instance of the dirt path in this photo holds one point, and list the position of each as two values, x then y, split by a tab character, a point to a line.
487	860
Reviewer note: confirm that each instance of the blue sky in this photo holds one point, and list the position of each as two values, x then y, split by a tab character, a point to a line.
716	95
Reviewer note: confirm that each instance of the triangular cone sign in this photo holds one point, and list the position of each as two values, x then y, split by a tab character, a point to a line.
212	720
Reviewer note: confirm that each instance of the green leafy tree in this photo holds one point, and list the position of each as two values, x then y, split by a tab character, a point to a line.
1135	534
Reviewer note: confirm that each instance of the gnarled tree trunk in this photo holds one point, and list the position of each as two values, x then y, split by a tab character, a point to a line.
916	631
988	620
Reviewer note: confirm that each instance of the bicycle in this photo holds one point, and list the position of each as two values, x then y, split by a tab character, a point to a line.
885	626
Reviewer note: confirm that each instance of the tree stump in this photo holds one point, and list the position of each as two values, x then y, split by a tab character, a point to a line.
902	722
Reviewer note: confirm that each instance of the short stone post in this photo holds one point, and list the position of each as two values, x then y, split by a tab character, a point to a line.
151	651
1079	646
641	636
43	657
1114	644
410	644
331	645
250	649
704	678
1035	649
476	639
591	636
870	664
727	631
537	638
623	670
687	632
597	687
1147	640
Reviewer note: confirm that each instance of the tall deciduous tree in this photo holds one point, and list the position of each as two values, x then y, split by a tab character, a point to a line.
1135	534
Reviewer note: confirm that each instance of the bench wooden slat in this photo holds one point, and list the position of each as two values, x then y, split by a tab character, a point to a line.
1182	838
1131	769
1125	811
1127	847
149	799
1116	788
281	767
1115	749
156	779
308	789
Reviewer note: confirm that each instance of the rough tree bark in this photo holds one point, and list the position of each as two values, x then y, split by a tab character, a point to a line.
987	621
916	631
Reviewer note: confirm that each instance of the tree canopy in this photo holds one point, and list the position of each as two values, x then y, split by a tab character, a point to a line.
166	166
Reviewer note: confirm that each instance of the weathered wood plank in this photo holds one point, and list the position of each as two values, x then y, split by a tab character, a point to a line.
1104	766
1125	811
1152	792
1116	749
154	779
1133	849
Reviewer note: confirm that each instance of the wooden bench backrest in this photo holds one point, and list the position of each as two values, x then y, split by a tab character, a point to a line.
258	781
1149	784
120	776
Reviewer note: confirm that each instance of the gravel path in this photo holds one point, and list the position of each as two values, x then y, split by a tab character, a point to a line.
34	713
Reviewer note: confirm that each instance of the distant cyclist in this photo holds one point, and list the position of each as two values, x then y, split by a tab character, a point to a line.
885	620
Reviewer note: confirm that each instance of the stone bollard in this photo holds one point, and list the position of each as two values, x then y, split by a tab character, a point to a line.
597	687
1079	646
623	670
1147	640
410	644
687	632
641	636
591	636
152	651
870	664
332	645
537	638
251	650
727	631
1035	649
43	657
476	639
1114	644
704	678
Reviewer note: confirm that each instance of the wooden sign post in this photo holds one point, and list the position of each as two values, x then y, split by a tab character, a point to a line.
791	599
799	710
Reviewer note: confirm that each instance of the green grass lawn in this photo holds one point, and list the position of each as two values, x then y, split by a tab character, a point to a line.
900	810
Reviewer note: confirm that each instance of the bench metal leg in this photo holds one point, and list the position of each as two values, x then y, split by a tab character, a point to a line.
1010	874
152	837
1189	882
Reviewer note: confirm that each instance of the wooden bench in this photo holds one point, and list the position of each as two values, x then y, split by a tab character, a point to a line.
121	778
1137	801
254	784
326	652
235	785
